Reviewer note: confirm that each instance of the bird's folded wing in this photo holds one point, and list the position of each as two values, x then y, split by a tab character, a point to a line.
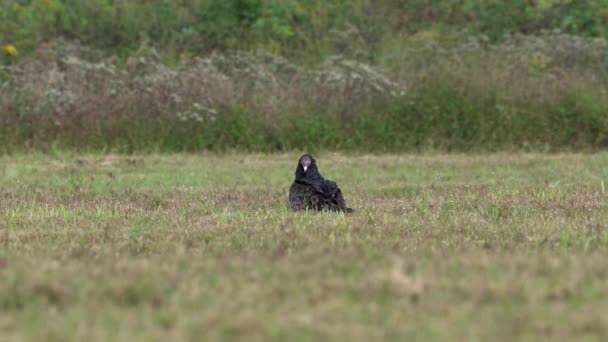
317	185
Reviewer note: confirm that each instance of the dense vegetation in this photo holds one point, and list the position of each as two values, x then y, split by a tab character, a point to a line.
290	27
273	75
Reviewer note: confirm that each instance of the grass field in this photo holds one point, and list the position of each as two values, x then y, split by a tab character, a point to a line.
186	247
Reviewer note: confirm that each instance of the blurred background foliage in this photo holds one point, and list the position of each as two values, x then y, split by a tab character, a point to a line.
268	75
299	29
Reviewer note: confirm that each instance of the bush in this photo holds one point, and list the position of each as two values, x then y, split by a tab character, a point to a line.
527	92
306	30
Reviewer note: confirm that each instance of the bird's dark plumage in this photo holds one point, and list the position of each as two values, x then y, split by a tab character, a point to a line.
311	191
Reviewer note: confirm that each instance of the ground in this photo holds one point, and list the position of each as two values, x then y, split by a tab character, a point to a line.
186	247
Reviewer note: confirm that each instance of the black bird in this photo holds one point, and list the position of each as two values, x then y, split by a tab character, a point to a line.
313	192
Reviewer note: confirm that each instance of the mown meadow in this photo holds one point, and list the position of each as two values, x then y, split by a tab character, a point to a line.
190	247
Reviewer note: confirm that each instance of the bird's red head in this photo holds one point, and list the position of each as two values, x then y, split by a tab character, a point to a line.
305	161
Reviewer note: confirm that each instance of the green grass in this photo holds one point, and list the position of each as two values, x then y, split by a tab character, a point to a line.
184	247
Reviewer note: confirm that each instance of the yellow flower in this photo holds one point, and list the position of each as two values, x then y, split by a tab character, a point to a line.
9	50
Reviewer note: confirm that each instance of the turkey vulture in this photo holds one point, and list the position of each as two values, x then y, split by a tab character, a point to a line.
311	191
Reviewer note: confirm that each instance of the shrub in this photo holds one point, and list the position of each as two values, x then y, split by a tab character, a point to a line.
530	92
